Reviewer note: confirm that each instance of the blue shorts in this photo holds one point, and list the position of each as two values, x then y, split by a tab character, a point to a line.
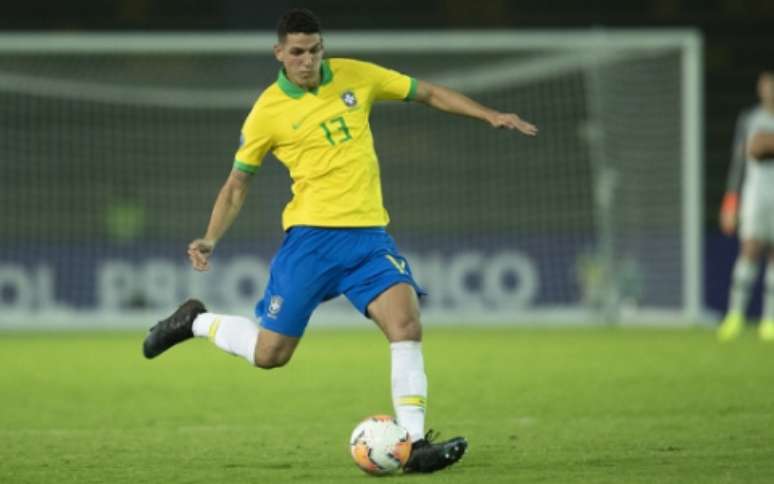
317	264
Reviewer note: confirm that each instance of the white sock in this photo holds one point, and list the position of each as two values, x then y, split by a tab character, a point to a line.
409	387
234	334
741	285
768	294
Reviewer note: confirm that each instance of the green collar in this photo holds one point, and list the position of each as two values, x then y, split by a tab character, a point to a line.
295	91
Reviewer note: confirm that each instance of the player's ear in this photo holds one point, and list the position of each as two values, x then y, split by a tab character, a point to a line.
278	51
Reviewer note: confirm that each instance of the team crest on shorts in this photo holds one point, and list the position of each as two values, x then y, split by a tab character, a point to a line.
275	304
349	99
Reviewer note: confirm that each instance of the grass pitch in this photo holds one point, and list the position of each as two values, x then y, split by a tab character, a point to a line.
559	406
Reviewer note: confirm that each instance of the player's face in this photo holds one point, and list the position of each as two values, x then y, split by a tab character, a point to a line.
301	55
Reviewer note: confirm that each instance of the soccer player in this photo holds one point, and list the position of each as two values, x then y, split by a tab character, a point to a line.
314	119
752	170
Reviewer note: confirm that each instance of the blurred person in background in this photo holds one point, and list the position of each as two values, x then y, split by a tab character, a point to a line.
315	119
751	178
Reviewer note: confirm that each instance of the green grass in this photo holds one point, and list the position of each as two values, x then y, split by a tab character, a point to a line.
558	406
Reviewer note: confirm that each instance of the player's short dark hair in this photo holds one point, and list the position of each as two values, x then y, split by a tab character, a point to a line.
297	21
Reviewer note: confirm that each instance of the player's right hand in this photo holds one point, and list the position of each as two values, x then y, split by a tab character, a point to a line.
728	223
199	252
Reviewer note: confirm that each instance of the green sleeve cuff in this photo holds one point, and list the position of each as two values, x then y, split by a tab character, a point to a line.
412	90
238	165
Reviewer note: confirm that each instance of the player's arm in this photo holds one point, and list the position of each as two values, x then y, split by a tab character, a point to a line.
761	146
227	206
730	206
451	101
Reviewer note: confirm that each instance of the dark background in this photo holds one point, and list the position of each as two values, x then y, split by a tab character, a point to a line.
737	34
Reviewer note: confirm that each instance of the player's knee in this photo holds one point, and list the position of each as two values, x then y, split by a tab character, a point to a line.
407	327
272	359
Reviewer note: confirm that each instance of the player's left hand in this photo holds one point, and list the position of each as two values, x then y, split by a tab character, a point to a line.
512	121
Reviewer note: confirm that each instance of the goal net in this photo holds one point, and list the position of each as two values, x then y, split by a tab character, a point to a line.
113	147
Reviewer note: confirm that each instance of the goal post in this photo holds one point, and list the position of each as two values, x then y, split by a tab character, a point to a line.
114	145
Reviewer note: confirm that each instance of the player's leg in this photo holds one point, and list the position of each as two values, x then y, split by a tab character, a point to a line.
240	336
753	220
236	335
396	312
742	281
766	328
745	272
299	280
380	285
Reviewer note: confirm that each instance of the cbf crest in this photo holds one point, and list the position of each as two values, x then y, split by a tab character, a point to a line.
349	99
274	306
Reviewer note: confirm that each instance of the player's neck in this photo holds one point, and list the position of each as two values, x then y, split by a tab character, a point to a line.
309	84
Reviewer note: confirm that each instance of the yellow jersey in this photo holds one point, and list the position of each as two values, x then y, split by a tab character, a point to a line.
323	137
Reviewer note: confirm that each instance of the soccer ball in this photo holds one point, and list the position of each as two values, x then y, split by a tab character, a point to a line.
379	445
